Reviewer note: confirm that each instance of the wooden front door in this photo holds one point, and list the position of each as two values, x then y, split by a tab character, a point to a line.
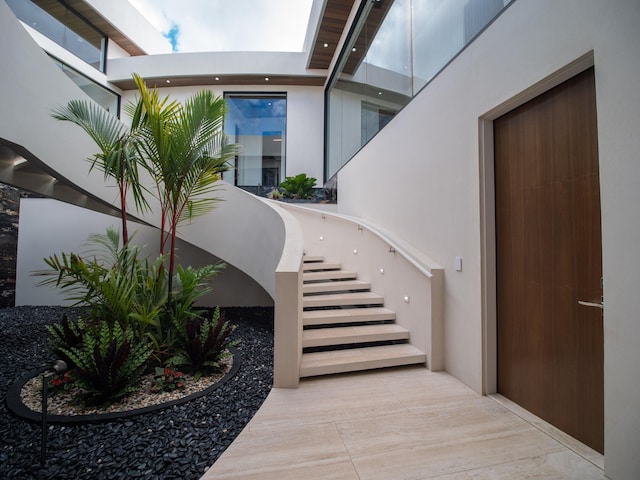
549	257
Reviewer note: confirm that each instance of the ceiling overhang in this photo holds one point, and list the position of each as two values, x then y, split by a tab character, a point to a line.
333	21
189	80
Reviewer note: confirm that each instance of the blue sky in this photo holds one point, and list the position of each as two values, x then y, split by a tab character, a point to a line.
229	25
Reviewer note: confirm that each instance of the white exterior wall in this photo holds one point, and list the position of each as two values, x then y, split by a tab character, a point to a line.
133	24
305	122
430	192
49	227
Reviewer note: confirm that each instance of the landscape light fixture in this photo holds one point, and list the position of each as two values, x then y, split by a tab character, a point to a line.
57	367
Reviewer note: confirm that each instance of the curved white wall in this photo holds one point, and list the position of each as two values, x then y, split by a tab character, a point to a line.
420	177
243	231
49	227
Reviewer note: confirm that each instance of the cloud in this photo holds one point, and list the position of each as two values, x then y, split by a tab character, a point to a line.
223	25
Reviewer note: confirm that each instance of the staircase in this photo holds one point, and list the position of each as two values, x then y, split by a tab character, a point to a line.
346	327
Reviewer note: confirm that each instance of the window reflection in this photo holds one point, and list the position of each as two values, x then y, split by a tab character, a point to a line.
65	27
397	47
257	123
99	94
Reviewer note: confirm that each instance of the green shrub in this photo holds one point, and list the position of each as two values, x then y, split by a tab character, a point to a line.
113	282
299	186
108	364
202	343
128	305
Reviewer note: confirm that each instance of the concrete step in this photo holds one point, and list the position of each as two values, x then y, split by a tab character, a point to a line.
338	286
347	315
338	299
356	359
323	337
312	258
311	266
328	275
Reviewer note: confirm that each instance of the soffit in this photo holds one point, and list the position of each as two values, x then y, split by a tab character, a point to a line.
186	81
332	24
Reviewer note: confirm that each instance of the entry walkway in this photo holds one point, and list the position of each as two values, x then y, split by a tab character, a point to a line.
394	424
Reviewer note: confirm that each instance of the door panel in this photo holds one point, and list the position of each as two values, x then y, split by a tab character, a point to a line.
549	256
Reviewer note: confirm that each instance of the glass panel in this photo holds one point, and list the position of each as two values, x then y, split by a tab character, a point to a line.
396	48
442	28
65	27
257	122
99	94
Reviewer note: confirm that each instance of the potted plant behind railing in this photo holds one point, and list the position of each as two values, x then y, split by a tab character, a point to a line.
299	188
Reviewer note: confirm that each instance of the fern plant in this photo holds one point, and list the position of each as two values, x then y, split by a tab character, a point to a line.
64	336
108	363
203	343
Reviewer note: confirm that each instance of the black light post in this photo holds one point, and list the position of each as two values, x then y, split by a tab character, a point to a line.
59	366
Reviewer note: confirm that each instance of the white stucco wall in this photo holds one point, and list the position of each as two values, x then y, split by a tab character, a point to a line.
49	227
430	190
305	122
133	24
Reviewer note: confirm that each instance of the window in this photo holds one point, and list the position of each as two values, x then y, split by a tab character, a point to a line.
395	48
257	123
66	27
99	94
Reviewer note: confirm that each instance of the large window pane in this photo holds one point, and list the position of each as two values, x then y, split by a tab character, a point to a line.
99	94
257	122
395	49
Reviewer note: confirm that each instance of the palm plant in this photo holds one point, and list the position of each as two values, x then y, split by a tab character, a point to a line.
114	282
185	150
117	157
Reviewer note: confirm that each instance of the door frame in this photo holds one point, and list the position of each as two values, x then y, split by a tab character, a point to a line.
487	212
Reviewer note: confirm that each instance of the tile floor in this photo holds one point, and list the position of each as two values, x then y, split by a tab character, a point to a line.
393	424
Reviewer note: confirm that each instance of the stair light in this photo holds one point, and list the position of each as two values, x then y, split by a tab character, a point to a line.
355	251
321	238
382	271
406	299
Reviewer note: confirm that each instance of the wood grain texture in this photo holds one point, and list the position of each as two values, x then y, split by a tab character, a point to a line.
549	256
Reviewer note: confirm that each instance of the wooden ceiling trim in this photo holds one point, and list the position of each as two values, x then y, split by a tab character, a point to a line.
332	24
189	81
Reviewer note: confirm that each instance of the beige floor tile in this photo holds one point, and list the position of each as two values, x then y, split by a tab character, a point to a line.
428	389
336	399
564	465
450	440
580	448
406	423
305	452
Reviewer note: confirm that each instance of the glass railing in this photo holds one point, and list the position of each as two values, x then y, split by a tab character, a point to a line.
104	97
395	49
65	27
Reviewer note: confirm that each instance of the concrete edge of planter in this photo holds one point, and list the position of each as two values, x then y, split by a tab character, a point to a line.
19	409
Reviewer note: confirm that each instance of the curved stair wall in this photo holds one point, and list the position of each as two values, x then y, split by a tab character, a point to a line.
31	86
243	231
410	284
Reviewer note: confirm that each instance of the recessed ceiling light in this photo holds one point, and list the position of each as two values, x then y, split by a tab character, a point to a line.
325	45
266	79
379	93
217	78
168	81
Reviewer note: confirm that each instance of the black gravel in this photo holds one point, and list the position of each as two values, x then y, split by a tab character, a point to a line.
180	442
